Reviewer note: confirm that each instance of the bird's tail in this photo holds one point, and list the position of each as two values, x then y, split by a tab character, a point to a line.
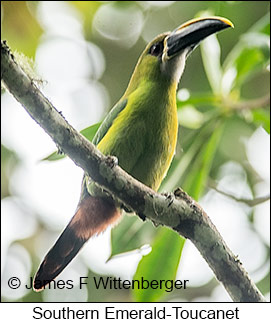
93	215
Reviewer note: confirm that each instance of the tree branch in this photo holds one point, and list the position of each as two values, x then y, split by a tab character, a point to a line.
181	213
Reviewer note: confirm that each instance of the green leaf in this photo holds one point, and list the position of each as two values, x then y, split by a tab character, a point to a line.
197	177
262	25
262	118
9	161
264	283
54	156
210	51
231	146
20	26
249	55
191	149
88	132
252	59
130	234
160	264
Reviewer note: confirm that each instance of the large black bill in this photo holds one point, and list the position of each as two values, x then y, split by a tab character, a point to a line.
190	35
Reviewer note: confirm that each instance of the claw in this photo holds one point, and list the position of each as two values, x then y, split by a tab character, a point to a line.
169	196
112	161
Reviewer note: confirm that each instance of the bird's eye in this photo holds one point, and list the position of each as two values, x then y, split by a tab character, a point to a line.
156	49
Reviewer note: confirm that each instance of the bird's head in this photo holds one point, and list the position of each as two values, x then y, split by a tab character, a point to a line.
166	54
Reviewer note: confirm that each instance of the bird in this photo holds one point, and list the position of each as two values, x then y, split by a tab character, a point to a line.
140	131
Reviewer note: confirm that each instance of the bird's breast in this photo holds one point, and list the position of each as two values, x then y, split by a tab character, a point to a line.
143	136
160	145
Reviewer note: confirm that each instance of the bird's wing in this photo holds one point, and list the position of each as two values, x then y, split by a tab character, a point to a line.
104	127
106	124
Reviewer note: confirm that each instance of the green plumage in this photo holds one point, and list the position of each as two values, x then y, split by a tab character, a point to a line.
143	133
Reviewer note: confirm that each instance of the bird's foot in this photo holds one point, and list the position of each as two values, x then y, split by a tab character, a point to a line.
170	197
59	150
181	194
112	161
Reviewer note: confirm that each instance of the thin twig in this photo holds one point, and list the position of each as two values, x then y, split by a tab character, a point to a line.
252	104
250	202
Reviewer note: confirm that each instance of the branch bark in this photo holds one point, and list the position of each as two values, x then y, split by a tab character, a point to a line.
180	212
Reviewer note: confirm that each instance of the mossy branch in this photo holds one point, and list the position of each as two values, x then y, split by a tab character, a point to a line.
179	212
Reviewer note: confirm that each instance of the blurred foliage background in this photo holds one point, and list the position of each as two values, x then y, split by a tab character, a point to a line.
83	54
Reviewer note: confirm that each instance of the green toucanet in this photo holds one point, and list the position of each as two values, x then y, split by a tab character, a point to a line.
140	130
